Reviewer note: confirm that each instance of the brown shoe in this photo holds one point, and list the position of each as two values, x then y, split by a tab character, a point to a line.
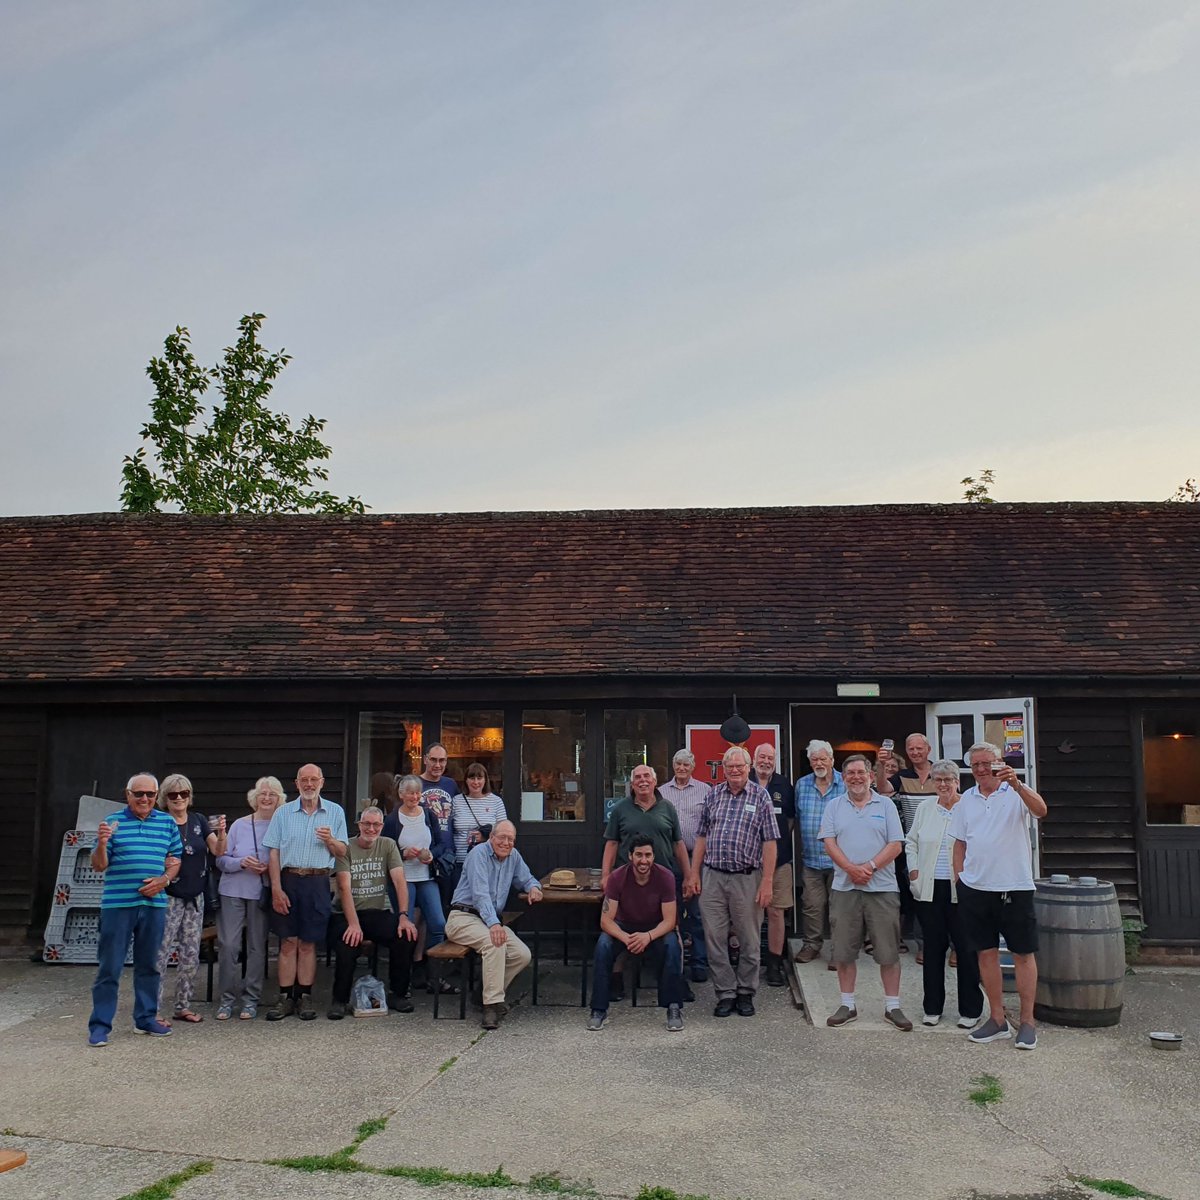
807	953
832	966
843	1016
954	958
895	1017
491	1016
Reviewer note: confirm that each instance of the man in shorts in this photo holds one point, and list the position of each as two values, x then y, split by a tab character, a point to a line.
993	867
304	839
862	834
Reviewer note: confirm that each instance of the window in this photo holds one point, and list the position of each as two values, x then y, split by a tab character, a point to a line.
552	764
633	736
1171	764
474	736
387	741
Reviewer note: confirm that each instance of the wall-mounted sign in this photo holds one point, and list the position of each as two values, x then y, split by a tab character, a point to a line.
707	744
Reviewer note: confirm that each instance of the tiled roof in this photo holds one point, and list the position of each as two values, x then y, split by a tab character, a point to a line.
1005	589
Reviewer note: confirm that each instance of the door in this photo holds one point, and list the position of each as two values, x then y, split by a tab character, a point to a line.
1008	723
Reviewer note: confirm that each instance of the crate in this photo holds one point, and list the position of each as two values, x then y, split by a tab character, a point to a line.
73	935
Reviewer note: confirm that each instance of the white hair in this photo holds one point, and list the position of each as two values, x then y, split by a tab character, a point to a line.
945	766
684	756
994	749
815	747
373	809
740	750
918	734
141	775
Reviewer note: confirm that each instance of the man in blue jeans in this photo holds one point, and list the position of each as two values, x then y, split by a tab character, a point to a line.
638	915
138	851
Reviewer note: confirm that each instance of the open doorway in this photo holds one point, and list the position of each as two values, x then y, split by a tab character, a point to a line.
851	728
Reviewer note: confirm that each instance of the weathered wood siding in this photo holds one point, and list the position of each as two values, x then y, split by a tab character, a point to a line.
22	740
1086	774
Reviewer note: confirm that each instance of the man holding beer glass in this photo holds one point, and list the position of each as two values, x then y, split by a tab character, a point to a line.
304	838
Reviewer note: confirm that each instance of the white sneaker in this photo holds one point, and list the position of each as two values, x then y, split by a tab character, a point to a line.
931	1018
968	1022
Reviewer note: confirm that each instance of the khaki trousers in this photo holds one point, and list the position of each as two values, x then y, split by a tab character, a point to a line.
501	964
728	902
814	904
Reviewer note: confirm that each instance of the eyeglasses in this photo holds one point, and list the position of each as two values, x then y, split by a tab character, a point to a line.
143	795
370	824
176	795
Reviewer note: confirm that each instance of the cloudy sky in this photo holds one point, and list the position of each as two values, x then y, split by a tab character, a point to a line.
551	255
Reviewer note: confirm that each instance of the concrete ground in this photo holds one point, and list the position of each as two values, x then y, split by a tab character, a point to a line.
758	1108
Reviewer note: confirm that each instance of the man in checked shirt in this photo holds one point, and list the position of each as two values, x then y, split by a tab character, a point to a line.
733	872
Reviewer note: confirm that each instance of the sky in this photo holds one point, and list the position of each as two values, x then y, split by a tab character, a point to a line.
615	255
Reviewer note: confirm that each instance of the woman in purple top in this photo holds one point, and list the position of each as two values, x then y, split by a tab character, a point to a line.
243	869
185	907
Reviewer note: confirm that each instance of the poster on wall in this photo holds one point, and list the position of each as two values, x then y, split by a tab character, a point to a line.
707	744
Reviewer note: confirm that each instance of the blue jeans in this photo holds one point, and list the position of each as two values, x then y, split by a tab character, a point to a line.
427	895
664	955
144	923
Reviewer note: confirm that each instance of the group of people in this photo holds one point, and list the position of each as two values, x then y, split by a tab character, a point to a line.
707	862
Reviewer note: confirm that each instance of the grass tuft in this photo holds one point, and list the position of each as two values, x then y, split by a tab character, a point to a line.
165	1188
447	1064
664	1193
434	1176
1115	1187
988	1091
552	1183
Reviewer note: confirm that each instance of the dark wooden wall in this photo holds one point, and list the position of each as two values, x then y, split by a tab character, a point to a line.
22	744
1086	775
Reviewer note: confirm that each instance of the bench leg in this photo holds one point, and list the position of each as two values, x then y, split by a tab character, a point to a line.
462	991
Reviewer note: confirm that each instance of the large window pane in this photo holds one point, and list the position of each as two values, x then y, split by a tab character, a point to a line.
1171	761
632	736
387	741
474	735
552	758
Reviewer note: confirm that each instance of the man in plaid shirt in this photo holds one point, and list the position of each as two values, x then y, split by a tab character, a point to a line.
813	792
733	873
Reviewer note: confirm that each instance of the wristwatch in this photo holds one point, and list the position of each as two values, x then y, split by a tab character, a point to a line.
404	913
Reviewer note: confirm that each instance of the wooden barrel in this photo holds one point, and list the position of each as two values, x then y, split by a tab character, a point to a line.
1081	954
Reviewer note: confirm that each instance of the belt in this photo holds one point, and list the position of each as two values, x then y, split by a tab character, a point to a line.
467	909
739	871
306	870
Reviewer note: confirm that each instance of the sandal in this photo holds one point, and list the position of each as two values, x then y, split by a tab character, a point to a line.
186	1014
446	989
248	1013
224	1012
920	958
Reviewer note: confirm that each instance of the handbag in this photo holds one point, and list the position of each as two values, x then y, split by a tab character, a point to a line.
264	897
484	831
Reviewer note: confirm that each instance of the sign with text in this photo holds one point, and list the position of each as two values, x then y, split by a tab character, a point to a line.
707	744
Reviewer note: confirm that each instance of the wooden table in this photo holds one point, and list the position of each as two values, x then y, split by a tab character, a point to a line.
584	898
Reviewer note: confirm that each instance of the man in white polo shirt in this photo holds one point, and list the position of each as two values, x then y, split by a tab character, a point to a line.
993	868
862	834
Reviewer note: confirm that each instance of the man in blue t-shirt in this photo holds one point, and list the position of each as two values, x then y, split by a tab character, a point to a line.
139	852
638	915
437	794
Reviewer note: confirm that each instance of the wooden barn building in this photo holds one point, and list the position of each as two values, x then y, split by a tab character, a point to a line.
560	649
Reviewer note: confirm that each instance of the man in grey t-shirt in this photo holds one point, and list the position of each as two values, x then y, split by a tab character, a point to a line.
862	834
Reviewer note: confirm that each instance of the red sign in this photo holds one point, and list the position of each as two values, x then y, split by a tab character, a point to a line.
707	744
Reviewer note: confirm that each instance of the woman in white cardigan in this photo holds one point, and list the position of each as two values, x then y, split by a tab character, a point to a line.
929	854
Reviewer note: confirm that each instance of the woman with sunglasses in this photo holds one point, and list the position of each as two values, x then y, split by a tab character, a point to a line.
185	904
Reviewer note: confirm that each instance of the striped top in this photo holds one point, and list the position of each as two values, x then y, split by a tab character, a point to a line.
137	850
293	832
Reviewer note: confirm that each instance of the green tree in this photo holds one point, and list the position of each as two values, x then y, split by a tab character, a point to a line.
1188	492
241	456
977	489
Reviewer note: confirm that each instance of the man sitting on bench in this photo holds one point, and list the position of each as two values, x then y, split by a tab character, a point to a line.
362	874
490	871
638	915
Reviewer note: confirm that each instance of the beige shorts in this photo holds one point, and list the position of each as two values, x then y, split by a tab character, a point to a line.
877	914
784	893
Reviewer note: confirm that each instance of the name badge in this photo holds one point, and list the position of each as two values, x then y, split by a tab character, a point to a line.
750	808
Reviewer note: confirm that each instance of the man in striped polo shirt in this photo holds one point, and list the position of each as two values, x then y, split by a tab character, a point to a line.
304	838
138	851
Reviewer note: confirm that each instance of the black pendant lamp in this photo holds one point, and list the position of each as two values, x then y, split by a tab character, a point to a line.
734	729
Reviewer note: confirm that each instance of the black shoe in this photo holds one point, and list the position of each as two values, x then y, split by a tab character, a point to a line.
398	1003
774	971
699	974
688	994
724	1007
337	1011
616	995
745	1005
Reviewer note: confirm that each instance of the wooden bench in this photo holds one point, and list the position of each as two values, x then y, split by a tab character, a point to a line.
446	952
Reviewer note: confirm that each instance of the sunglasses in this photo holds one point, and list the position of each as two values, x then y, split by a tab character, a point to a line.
143	795
178	795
